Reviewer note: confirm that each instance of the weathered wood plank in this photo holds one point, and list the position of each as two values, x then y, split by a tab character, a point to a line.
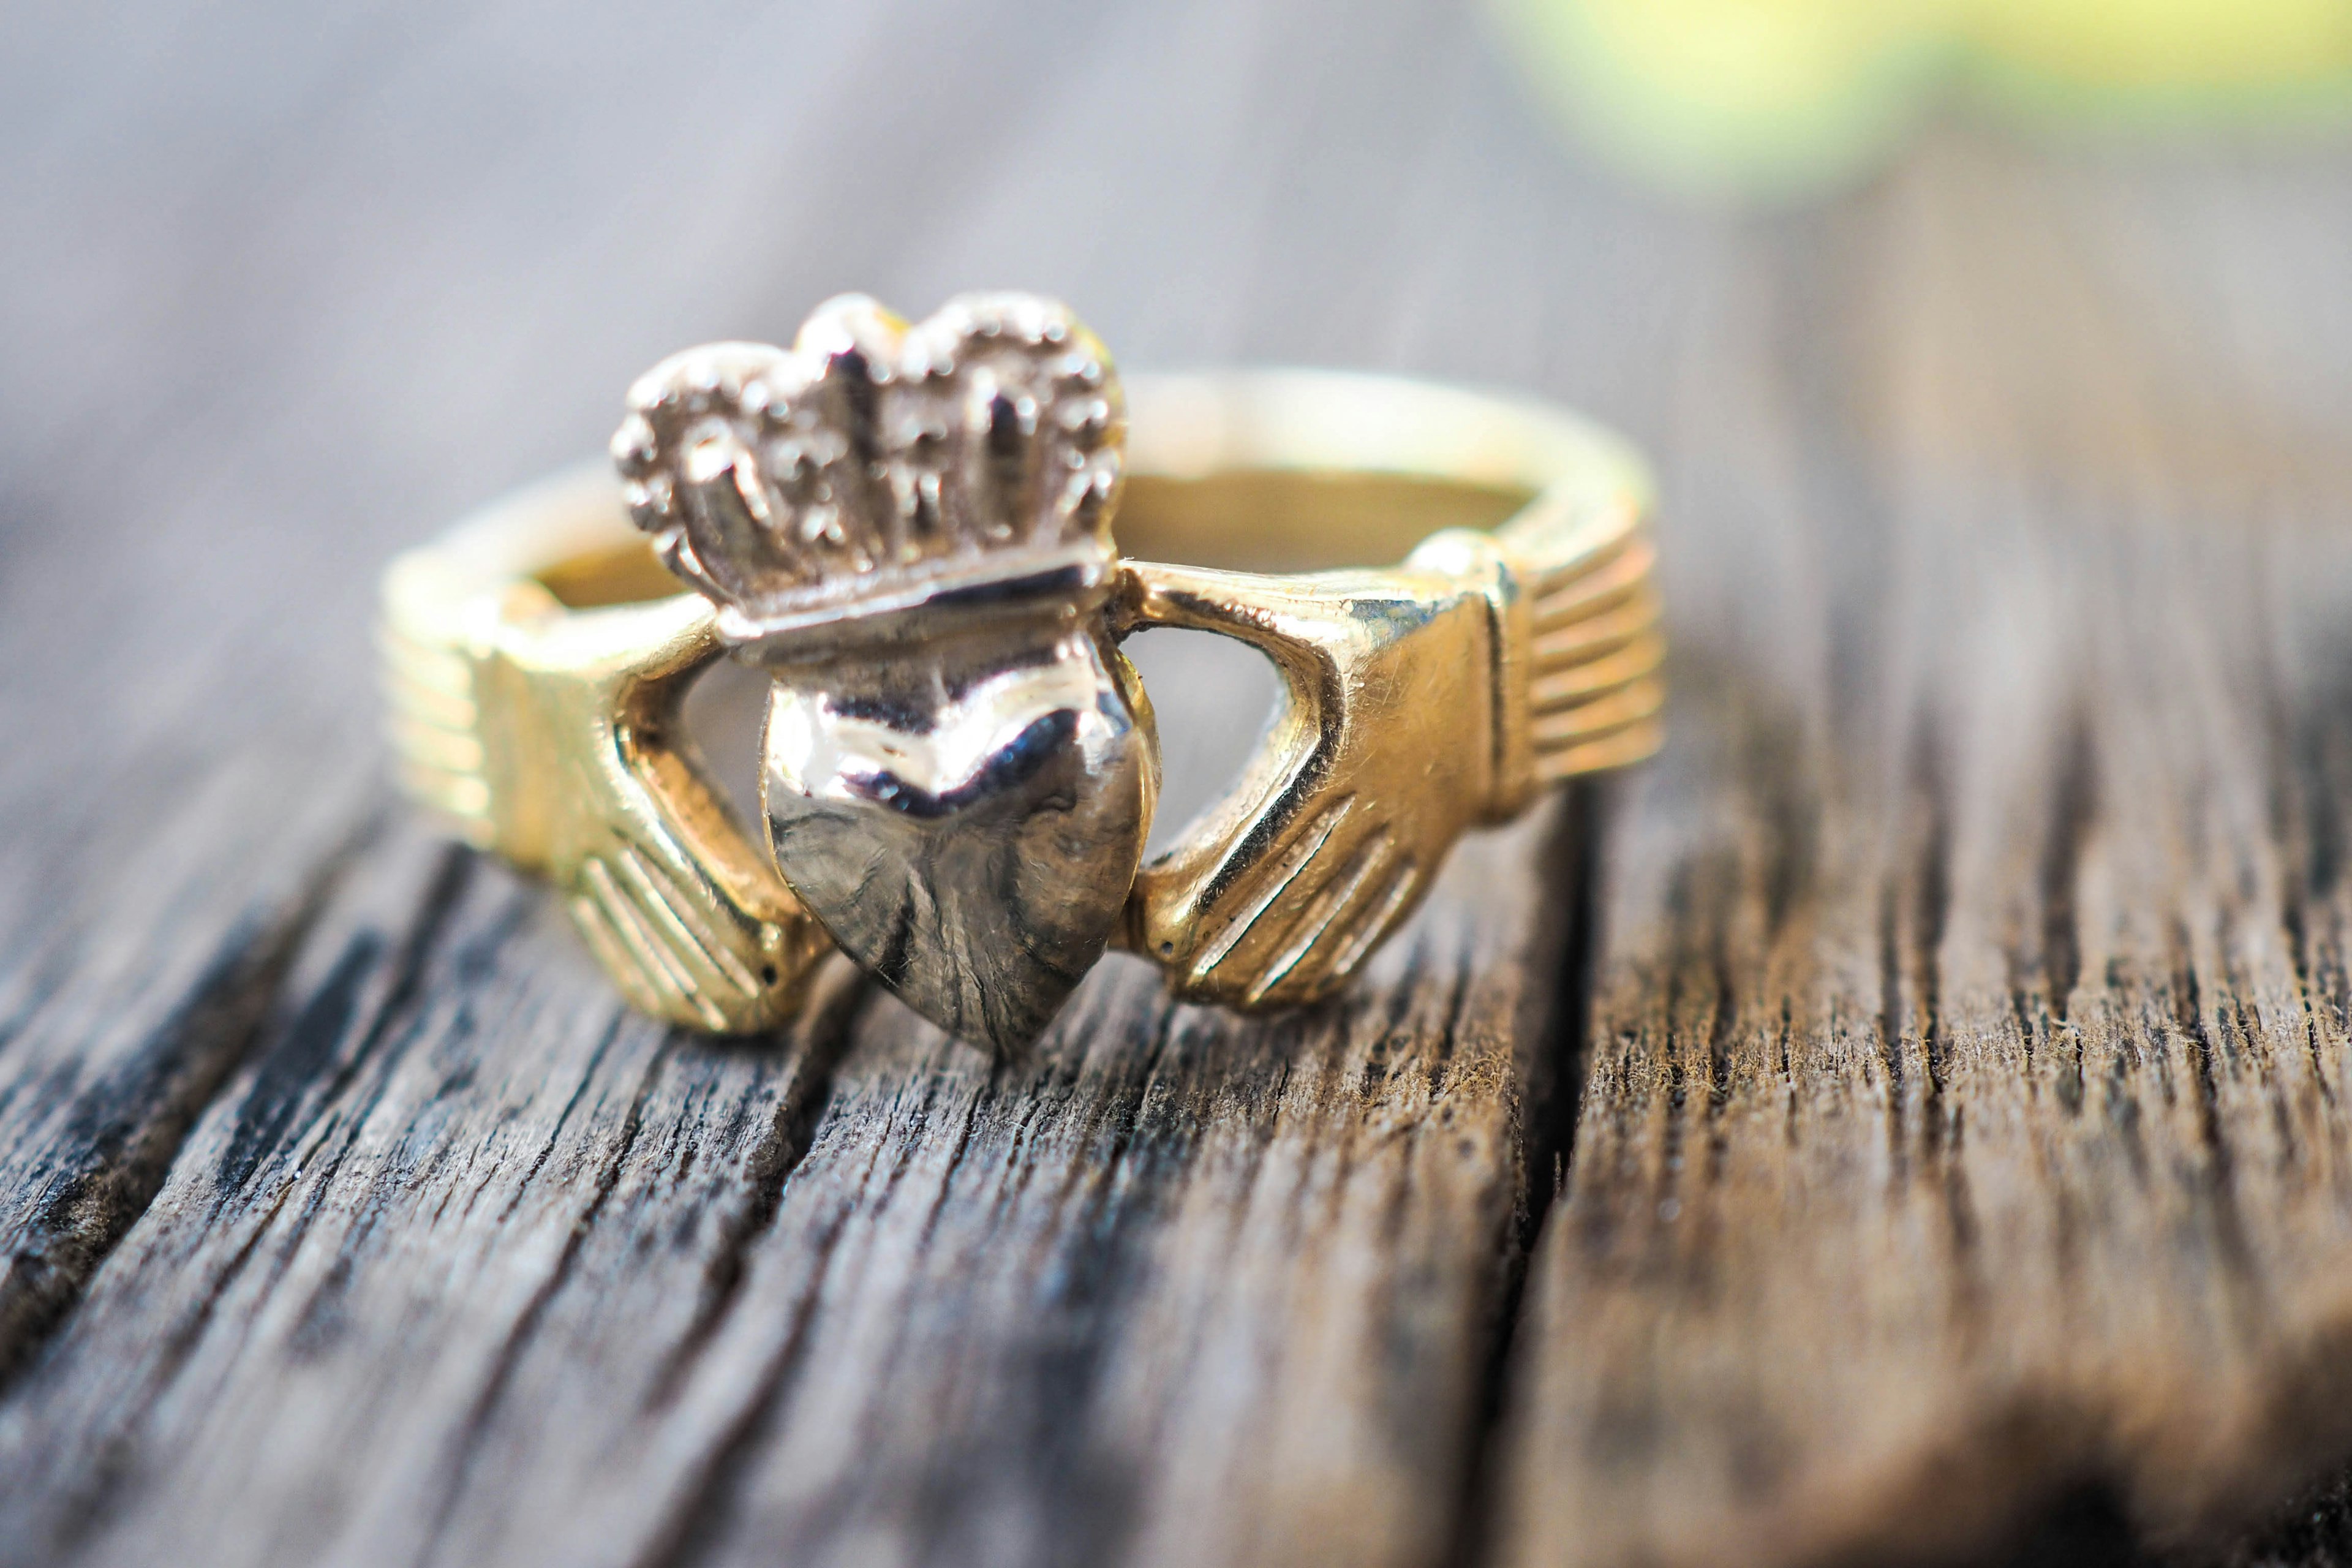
430	1253
1963	1130
468	1268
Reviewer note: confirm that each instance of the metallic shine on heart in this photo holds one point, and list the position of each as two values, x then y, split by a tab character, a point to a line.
966	821
909	526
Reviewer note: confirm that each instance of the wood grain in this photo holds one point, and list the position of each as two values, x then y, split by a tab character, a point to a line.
1957	1162
1962	1132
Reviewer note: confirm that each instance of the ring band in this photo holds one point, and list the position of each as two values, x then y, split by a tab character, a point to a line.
909	528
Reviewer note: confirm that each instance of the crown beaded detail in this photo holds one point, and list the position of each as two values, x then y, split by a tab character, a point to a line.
875	463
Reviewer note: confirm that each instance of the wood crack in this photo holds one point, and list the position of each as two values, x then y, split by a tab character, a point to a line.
173	1078
689	1530
295	1067
2229	1224
1890	1024
1554	1087
509	1352
790	1133
2074	813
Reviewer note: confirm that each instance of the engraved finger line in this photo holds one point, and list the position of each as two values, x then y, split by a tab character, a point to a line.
426	655
1555	612
1592	720
1601	633
1623	576
421	665
1372	928
661	965
1581	682
1571	546
684	923
692	953
1627	745
1322	909
431	724
660	970
448	704
1302	850
613	954
429	704
455	794
433	745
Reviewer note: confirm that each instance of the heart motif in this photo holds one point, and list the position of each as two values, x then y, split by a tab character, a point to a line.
967	835
909	526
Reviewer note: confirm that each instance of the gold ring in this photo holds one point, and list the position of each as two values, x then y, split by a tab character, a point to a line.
909	529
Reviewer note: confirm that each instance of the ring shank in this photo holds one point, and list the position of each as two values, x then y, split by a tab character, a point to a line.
1394	460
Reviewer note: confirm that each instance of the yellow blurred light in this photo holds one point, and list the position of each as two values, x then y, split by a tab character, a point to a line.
1763	96
2166	46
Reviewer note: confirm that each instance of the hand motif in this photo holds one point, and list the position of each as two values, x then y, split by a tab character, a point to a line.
555	739
1417	702
1379	756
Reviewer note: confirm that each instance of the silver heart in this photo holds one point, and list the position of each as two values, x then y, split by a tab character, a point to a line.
966	818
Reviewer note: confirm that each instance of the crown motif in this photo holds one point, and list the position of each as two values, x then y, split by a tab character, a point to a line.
876	465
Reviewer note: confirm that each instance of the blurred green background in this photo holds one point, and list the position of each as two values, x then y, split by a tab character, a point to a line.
1770	99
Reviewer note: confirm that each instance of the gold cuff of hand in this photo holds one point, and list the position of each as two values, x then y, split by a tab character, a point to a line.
536	660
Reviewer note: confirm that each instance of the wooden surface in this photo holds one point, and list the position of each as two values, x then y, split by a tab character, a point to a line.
1954	1165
